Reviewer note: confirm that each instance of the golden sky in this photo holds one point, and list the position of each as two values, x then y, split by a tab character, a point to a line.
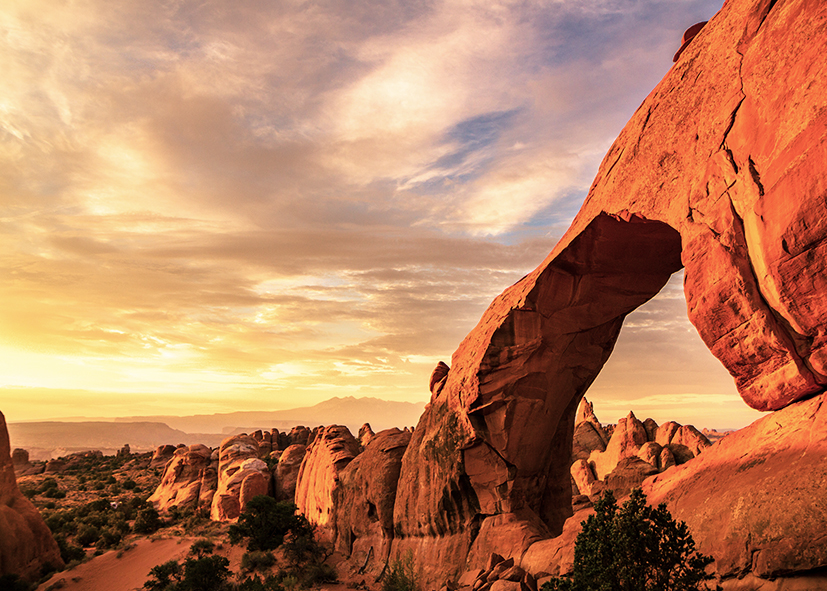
213	206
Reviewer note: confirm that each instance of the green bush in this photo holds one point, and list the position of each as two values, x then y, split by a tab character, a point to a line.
69	552
201	548
208	573
401	575
87	535
634	548
265	522
164	577
148	521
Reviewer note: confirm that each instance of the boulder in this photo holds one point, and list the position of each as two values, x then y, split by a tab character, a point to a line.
585	413
26	544
183	482
586	440
585	480
628	437
299	435
755	500
364	498
287	471
650	452
628	474
438	377
719	171
238	461
694	440
651	429
332	449
162	455
366	434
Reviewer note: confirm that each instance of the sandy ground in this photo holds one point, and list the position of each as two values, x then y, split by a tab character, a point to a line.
107	572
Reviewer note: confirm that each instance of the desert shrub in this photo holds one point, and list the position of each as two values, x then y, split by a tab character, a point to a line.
129	484
208	573
634	548
69	552
401	575
257	561
28	492
265	522
109	538
87	535
148	521
164	577
201	548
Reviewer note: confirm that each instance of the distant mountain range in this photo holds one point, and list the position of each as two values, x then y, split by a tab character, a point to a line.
54	438
349	411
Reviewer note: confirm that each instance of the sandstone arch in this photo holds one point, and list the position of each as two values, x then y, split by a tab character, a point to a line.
720	170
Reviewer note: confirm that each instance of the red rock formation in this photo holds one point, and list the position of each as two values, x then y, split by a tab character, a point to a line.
626	441
719	171
162	455
755	501
188	481
366	434
364	498
26	544
287	471
238	461
331	451
299	435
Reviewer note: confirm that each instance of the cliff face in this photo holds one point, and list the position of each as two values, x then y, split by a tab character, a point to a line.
720	171
26	544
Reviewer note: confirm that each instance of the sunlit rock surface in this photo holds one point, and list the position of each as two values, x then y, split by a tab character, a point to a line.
332	449
720	171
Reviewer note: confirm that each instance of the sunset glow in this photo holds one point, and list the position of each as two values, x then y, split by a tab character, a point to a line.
208	207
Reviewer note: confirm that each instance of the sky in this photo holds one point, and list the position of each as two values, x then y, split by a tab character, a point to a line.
249	205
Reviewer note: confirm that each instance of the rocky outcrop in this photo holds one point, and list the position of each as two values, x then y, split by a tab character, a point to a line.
755	501
162	455
719	171
238	462
26	544
628	437
636	450
287	471
364	498
299	435
189	480
366	434
331	450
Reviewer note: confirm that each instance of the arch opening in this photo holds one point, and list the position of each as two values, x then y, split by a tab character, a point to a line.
546	354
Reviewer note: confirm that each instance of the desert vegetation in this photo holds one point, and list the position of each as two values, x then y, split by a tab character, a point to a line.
634	547
265	528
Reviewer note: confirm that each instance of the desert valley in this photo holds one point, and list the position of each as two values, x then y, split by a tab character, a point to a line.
498	481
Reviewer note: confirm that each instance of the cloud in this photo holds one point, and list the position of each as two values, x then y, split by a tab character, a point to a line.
307	199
